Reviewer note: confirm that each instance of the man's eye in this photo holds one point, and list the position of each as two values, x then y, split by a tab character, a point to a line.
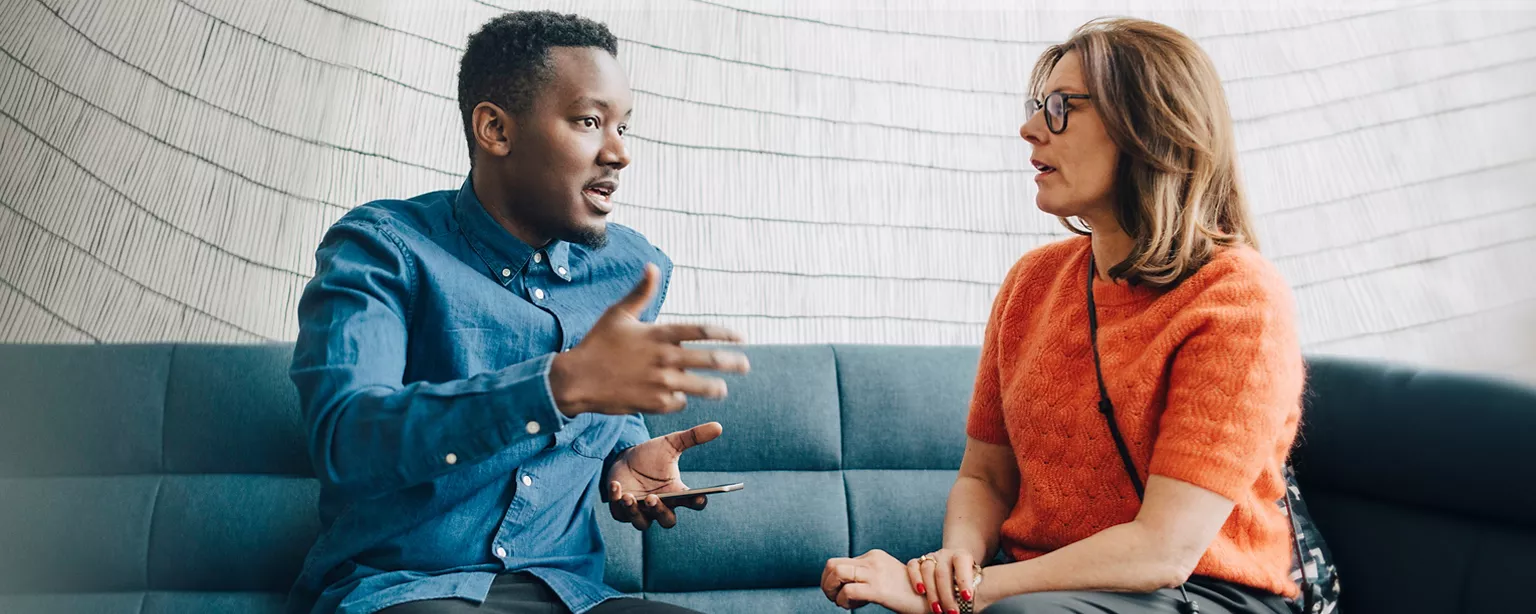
589	122
623	129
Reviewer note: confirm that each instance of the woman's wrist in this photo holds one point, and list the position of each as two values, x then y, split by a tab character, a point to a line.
984	597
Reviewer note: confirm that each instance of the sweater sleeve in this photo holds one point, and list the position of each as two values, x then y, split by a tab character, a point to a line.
985	422
1234	386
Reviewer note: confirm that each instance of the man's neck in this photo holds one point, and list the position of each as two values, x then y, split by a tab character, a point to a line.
491	192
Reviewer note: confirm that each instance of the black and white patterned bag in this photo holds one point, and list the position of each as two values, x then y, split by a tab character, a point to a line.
1312	564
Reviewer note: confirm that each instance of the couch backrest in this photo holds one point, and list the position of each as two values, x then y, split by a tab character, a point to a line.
842	448
130	468
1424	484
182	468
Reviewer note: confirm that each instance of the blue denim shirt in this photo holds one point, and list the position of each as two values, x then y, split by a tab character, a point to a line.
425	340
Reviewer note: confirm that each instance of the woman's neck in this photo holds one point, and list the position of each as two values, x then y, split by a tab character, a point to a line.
1110	244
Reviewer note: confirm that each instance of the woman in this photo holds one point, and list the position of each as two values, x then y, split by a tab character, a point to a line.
1200	364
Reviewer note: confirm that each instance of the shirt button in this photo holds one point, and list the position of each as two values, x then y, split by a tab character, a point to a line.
532	428
506	272
452	459
501	552
527	481
561	271
538	256
538	293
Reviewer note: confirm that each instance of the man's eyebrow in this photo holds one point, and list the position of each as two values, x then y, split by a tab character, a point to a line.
607	107
590	101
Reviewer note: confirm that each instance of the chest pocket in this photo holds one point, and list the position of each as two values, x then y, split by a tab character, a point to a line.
458	353
591	435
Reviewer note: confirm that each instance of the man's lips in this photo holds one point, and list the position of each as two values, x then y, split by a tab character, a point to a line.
601	193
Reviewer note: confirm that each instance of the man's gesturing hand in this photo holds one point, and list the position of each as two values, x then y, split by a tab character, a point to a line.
625	366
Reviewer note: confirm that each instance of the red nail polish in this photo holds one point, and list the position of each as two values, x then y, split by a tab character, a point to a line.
966	595
921	589
954	611
937	609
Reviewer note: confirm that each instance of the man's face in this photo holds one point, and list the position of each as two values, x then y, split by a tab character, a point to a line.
567	150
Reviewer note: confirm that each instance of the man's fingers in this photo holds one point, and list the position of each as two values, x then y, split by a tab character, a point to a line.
622	512
725	361
616	503
639	298
694	503
703	433
663	401
636	517
679	333
663	515
694	385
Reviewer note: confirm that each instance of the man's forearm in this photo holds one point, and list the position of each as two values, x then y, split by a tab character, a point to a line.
369	438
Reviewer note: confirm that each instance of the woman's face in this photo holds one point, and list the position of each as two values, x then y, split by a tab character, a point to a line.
1077	167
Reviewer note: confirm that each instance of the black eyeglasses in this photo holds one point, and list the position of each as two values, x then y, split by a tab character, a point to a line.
1055	106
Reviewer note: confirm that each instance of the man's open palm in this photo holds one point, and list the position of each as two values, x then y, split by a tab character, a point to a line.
650	469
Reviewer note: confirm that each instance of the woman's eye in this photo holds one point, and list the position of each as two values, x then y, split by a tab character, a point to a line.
623	129
589	122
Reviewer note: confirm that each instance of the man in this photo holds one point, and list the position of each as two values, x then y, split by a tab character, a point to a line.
466	385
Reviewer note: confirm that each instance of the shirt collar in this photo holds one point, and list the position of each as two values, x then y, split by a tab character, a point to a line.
560	259
505	255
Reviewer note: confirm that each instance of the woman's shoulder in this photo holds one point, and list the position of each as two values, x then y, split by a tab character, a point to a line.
1238	275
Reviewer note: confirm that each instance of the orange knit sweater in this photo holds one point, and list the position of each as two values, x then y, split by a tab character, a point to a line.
1206	379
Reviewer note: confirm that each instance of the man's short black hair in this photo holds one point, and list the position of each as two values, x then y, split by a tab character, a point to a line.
507	60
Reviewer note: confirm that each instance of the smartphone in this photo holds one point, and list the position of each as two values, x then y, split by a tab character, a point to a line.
712	490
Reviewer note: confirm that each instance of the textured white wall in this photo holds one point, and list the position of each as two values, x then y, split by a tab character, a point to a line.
819	174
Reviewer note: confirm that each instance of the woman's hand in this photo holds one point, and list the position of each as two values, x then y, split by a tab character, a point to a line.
938	575
874	577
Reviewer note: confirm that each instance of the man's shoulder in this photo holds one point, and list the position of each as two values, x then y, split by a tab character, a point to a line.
425	214
626	242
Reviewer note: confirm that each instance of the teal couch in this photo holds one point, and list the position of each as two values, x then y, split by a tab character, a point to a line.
157	478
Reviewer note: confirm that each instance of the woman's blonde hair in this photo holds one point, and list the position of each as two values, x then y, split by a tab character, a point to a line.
1177	190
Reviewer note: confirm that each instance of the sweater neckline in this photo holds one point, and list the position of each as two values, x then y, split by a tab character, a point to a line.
1111	293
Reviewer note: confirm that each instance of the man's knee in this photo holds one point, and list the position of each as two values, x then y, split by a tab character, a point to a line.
432	606
639	606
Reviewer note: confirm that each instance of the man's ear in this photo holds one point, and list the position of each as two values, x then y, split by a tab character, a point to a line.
494	129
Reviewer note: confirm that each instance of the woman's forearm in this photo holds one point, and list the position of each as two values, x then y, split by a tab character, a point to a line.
1123	558
974	517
